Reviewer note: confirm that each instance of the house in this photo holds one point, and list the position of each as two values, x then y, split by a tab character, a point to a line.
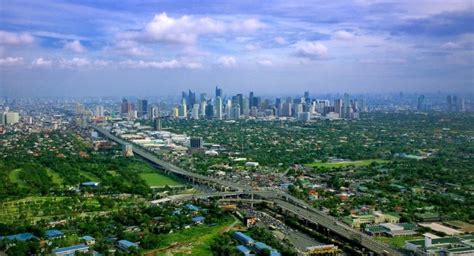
126	245
243	238
19	237
89	240
70	250
192	207
92	184
198	219
243	249
54	233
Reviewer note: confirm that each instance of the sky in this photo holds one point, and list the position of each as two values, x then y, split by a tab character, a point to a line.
152	48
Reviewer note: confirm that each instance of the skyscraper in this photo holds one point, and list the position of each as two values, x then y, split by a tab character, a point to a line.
142	108
219	92
421	103
99	111
218	103
157	124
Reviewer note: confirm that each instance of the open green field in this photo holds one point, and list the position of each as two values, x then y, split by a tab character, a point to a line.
398	241
55	177
193	241
346	163
158	179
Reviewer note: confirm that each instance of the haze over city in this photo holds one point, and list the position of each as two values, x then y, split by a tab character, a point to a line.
84	48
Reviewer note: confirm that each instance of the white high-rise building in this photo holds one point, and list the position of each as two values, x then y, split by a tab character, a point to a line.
99	111
218	113
228	108
246	107
195	111
12	117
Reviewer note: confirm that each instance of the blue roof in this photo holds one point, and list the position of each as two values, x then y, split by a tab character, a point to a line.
53	233
198	219
192	207
261	246
126	243
243	249
243	237
90	183
71	248
19	237
87	238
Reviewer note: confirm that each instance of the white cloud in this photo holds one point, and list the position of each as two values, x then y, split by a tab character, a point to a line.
40	62
280	40
313	50
265	63
75	46
169	64
187	29
227	61
343	35
252	47
450	46
12	38
130	48
11	61
74	63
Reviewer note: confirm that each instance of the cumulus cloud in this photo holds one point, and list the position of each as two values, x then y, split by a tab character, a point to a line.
186	29
40	62
312	50
130	48
12	38
265	63
168	64
227	61
450	46
11	61
75	46
74	63
343	35
280	40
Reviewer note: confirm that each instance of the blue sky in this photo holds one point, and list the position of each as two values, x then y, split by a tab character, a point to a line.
113	48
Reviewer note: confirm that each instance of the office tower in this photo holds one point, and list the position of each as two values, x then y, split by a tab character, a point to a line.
246	107
421	103
306	97
460	105
153	112
127	150
202	111
219	92
196	142
298	108
2	118
257	102
12	118
191	99
218	103
157	124
142	108
253	111
278	106
209	111
99	111
182	111
228	109
286	109
235	114
449	103
240	102
125	106
133	114
175	112
338	107
346	106
455	104
195	111
203	97
251	101
304	116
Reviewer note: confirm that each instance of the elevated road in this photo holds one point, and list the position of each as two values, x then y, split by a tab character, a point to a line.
280	199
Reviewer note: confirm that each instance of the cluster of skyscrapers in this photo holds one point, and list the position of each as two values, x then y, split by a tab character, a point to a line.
238	106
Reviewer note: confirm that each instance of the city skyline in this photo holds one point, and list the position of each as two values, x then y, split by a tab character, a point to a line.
61	48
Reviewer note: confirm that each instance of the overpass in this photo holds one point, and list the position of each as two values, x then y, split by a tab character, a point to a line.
282	200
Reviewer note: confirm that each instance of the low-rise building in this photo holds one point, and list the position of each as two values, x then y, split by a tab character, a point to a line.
449	246
70	250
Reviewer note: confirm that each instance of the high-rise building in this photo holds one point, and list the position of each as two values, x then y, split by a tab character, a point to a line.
338	107
246	107
125	106
421	103
153	112
304	116
228	109
195	111
196	142
346	106
251	101
12	118
219	92
235	113
127	150
157	124
286	109
142	108
99	111
218	105
209	111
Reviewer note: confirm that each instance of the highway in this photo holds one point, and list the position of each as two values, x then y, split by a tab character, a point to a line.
279	198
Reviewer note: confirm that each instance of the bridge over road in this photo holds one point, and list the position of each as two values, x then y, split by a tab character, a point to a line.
280	199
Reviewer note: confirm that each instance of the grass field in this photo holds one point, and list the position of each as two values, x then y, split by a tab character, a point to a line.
346	163
399	241
194	241
55	177
158	179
